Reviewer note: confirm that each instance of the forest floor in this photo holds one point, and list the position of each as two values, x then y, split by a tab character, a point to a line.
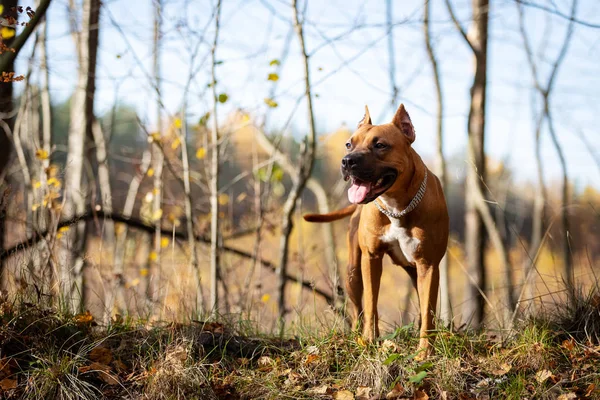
46	354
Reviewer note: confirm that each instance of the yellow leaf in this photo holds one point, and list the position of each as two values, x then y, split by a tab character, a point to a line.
7	32
271	103
273	77
41	154
134	282
155	191
54	182
7	384
177	123
223	199
157	214
84	318
200	153
265	297
361	342
343	395
63	229
164	242
37	184
144	271
150	172
1	8
245	118
176	142
152	257
154	137
241	197
35	207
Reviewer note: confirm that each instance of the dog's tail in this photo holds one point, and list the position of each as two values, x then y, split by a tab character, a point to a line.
332	216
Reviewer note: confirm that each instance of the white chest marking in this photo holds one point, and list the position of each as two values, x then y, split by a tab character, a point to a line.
403	246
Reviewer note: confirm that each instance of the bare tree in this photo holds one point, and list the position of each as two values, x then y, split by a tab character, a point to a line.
214	177
154	270
306	162
545	91
445	305
86	42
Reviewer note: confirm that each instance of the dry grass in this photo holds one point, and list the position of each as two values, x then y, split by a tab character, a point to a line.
48	354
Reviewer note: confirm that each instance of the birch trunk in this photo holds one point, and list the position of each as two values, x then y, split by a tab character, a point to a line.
214	180
445	304
154	270
82	104
306	160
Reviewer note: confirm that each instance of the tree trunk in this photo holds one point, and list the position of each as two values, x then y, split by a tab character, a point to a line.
214	180
306	160
476	174
445	305
44	215
189	214
6	107
154	271
80	128
108	228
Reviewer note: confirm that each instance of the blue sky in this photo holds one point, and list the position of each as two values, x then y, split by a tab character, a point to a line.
351	71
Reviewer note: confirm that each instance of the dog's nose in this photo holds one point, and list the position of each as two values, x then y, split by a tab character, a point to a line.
348	162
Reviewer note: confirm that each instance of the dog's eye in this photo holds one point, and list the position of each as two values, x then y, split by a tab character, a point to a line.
380	145
348	145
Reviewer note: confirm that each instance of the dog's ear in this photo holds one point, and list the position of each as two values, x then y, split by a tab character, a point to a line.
402	121
366	119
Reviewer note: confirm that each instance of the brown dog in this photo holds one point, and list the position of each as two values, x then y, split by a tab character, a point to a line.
403	215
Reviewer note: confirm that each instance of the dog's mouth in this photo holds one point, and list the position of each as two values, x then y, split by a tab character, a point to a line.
363	191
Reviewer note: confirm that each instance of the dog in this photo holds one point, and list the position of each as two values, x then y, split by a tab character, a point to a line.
399	209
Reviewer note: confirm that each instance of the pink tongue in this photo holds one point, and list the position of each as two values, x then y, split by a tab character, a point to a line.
358	192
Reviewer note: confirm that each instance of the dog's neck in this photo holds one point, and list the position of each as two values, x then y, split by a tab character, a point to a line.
411	180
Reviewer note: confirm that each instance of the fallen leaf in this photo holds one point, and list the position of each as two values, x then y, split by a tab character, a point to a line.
265	298
567	396
363	393
265	361
420	395
343	395
361	342
273	77
323	389
84	318
101	355
388	346
590	389
543	375
502	369
311	358
7	384
396	392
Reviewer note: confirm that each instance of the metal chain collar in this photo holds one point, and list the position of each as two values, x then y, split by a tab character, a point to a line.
411	206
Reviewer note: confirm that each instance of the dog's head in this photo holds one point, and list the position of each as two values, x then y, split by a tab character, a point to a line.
376	156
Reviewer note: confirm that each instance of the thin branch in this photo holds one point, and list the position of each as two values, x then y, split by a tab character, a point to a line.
8	56
554	11
138	224
460	28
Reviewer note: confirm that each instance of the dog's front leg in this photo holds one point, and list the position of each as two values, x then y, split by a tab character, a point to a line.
428	279
371	266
